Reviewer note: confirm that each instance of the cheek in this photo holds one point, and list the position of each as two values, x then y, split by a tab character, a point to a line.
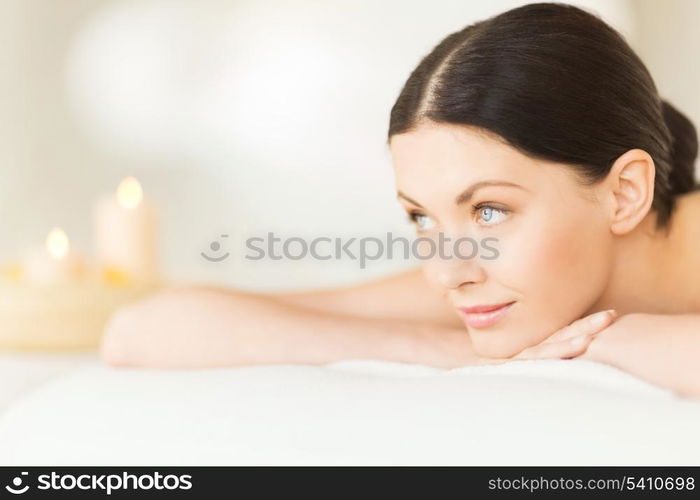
556	271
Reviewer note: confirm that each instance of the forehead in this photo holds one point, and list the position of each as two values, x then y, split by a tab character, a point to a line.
444	158
445	146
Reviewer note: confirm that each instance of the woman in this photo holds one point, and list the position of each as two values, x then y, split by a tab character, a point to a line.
539	128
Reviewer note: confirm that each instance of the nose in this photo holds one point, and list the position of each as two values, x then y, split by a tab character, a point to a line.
452	273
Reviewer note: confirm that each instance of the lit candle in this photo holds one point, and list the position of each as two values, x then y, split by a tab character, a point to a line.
125	235
55	263
51	302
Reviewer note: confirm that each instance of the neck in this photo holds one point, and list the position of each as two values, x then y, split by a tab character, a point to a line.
644	276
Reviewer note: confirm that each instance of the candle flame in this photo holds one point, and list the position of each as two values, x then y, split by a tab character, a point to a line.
129	193
57	243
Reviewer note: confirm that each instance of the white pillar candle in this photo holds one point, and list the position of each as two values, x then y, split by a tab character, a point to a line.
125	233
55	263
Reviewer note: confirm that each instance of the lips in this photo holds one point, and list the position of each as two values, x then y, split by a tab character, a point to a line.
483	308
482	316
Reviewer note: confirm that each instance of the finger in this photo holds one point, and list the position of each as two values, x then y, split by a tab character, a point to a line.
569	348
577	346
589	324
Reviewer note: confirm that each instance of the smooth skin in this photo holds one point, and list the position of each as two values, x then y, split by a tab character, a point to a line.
567	250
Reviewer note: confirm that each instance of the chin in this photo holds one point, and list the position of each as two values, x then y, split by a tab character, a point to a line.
497	345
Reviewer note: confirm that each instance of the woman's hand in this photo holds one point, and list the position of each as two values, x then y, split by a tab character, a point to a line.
569	342
662	349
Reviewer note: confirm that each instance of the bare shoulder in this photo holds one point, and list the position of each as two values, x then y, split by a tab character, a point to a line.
685	229
406	295
685	233
689	202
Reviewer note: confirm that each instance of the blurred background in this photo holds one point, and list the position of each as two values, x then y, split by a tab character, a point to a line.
241	117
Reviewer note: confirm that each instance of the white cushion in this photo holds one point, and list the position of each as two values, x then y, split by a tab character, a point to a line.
550	412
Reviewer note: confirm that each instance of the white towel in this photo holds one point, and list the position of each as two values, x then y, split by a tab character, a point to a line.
549	412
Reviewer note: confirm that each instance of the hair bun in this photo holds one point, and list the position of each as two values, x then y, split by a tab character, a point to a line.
684	149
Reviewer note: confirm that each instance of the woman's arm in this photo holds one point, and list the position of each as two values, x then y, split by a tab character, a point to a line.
659	348
205	327
404	296
397	319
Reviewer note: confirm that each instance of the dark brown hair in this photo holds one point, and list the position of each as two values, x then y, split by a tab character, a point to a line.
557	83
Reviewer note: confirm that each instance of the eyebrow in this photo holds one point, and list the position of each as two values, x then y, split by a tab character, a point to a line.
467	194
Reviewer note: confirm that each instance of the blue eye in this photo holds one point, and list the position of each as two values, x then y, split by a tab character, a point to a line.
490	215
420	220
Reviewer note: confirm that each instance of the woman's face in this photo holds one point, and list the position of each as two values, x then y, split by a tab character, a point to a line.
543	240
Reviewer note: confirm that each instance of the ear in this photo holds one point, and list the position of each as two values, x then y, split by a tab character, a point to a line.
631	182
